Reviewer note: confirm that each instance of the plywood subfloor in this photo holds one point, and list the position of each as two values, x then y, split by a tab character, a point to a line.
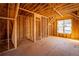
51	46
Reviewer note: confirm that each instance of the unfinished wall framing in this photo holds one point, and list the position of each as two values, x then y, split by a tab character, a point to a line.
75	31
41	26
25	27
20	22
10	31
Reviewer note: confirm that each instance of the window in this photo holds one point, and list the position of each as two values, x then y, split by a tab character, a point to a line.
64	26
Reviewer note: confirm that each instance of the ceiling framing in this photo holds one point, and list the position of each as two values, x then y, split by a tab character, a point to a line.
45	9
51	9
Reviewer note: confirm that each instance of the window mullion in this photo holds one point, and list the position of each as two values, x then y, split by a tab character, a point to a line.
63	26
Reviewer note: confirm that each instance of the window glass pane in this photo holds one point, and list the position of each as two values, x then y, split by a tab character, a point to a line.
60	23
67	26
67	31
67	22
60	26
60	30
64	26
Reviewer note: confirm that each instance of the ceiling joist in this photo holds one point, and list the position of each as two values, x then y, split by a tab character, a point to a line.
29	11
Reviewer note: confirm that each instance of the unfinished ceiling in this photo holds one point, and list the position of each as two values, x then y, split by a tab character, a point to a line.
51	9
46	9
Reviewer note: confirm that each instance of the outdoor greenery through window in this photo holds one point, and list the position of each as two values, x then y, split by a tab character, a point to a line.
64	26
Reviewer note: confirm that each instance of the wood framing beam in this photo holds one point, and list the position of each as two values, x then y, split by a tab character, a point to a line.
8	30
8	33
72	14
51	20
75	16
34	27
69	7
58	12
66	6
46	13
43	8
37	7
24	5
27	6
17	9
26	10
15	24
60	5
33	7
29	11
6	18
50	8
